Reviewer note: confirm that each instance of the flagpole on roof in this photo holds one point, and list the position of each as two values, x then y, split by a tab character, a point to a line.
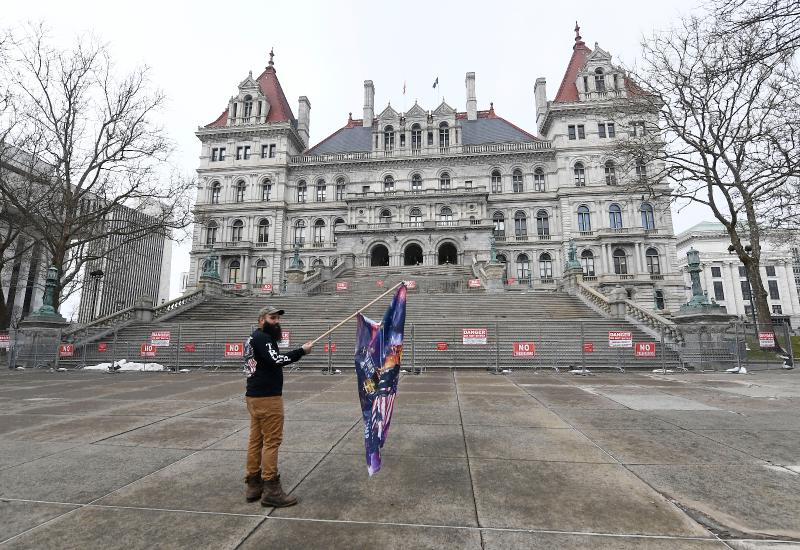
324	334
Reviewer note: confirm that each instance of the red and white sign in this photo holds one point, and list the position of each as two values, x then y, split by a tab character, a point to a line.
160	338
189	348
644	349
474	283
147	350
285	339
442	346
524	349
341	285
766	339
332	347
411	285
237	286
66	350
511	281
380	284
620	339
588	347
102	346
5	340
234	350
267	287
474	336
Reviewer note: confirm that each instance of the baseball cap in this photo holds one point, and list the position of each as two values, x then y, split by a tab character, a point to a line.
270	311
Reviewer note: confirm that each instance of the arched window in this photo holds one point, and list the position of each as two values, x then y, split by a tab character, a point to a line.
520	225
300	232
641	170
497	181
587	262
444	181
499	222
385	216
248	108
317	264
237	228
584	219
263	231
416	183
615	216
516	181
444	135
261	272
415	217
319	233
266	190
501	258
337	223
523	267
620	262
648	221
545	266
211	233
233	271
322	191
542	223
334	262
653	263
388	138
446	216
538	180
599	80
611	173
341	187
215	191
240	189
388	184
302	191
580	174
416	138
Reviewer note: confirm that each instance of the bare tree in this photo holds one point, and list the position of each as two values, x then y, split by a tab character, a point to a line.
715	121
101	167
777	21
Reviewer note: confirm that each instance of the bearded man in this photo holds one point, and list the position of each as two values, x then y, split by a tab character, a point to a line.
264	365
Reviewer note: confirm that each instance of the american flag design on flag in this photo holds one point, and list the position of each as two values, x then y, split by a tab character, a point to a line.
379	351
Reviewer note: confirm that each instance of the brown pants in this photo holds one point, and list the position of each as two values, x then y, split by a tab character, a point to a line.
266	434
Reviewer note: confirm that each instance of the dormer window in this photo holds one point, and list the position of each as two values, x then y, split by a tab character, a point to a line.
388	138
248	108
599	80
444	135
416	138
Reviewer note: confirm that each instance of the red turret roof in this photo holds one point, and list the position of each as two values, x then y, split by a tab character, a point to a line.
279	110
568	91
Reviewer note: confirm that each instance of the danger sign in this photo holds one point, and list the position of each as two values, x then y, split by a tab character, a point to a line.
341	285
645	349
524	349
474	283
66	350
147	350
267	287
474	336
766	339
441	346
234	350
102	347
284	343
189	348
160	338
620	339
588	347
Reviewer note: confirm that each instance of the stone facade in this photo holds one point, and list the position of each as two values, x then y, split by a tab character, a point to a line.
432	186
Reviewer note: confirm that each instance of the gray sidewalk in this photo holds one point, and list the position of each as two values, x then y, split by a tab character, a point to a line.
473	460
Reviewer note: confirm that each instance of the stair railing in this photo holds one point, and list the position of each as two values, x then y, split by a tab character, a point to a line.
178	304
653	320
594	298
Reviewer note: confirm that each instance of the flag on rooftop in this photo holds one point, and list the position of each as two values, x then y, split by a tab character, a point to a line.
436	82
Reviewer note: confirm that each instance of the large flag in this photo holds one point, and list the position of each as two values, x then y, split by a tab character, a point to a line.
436	82
379	350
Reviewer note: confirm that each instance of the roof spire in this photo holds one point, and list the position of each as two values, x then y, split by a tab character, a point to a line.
578	38
271	55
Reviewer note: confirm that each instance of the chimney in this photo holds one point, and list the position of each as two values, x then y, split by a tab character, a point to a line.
304	118
369	103
472	102
540	95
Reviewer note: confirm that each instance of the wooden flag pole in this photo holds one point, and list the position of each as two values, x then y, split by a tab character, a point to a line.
324	334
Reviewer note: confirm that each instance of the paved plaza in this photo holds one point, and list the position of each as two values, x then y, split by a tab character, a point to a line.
473	460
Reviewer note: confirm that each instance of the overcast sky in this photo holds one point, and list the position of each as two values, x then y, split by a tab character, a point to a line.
199	51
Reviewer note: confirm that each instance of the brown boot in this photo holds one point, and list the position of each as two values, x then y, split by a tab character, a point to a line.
255	486
274	495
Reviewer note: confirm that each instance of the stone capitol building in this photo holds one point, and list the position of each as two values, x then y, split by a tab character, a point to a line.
428	187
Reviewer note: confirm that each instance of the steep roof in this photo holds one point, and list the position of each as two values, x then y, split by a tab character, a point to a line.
489	128
568	91
279	109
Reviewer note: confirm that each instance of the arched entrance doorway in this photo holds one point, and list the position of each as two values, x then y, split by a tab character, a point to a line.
448	254
379	256
412	255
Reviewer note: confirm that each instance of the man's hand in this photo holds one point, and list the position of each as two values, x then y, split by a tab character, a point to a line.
307	347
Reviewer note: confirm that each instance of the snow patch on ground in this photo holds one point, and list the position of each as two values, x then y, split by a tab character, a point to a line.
125	365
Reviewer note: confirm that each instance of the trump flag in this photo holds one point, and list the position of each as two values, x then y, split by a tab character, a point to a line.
379	350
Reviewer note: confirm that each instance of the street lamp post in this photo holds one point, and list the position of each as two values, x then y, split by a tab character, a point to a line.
96	275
